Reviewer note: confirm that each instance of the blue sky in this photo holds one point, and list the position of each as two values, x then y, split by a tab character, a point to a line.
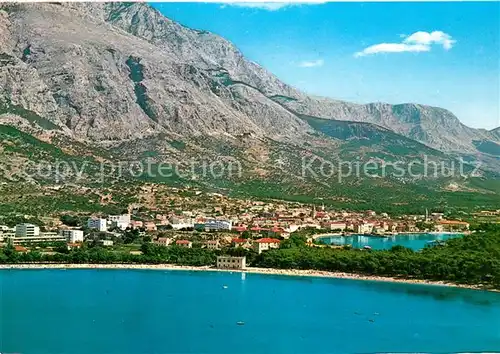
442	54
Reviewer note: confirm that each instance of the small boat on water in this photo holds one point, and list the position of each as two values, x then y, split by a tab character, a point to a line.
224	286
240	323
367	247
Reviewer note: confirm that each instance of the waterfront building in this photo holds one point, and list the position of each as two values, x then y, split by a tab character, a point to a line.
42	237
265	244
363	228
27	230
453	225
97	224
72	236
335	225
230	262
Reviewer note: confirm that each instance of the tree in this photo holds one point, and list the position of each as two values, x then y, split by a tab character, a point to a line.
70	220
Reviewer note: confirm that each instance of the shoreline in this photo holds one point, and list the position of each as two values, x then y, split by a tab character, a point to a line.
250	270
404	233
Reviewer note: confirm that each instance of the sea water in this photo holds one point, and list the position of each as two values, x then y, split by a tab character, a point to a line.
413	241
156	311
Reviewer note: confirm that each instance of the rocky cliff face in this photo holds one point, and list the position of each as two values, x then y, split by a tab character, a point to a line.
115	72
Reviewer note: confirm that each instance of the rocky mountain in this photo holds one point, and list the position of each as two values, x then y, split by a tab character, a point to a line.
123	78
495	134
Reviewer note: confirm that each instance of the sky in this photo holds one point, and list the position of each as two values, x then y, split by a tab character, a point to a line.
443	54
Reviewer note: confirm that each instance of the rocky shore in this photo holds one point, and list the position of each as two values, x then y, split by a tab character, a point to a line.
270	271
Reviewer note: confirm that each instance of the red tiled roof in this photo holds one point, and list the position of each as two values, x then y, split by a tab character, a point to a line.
268	240
238	240
240	228
20	248
182	242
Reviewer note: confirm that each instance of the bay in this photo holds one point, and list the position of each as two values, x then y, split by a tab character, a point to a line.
156	311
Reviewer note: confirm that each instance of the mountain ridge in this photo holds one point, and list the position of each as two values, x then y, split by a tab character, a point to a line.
116	72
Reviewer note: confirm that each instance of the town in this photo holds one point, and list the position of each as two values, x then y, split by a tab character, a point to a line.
222	223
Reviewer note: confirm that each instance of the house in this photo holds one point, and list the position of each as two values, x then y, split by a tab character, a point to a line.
240	242
106	242
163	241
72	236
136	224
240	228
21	249
229	262
213	244
265	244
150	226
184	243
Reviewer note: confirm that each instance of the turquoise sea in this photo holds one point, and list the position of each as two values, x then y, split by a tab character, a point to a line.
155	311
413	241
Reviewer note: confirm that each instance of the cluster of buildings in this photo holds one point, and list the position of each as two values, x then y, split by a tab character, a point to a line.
29	233
247	224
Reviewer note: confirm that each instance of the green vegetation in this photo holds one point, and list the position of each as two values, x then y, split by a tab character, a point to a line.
137	75
488	147
9	107
473	259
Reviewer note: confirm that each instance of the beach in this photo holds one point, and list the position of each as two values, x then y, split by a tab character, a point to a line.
254	270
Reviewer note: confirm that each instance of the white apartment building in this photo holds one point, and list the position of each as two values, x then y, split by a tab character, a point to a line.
97	224
120	221
228	262
42	237
181	223
72	236
216	225
27	230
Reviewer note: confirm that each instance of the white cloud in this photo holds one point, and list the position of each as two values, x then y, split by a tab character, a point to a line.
417	42
392	48
312	63
435	37
270	6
